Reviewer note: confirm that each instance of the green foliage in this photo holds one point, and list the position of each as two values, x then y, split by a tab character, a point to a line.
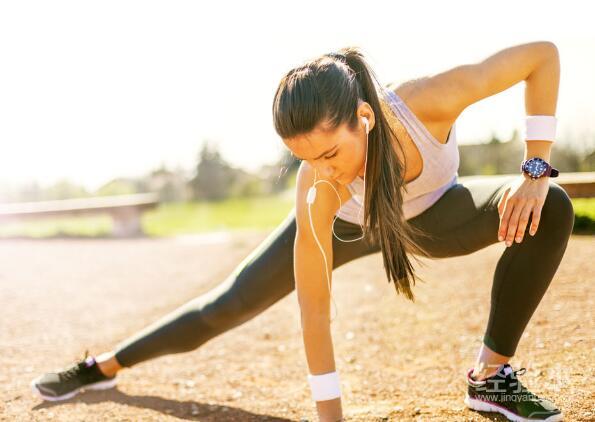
488	169
171	219
65	189
118	187
583	225
90	226
584	206
504	157
227	198
214	177
215	180
584	212
237	213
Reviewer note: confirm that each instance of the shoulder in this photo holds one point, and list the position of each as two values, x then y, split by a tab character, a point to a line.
326	202
423	99
407	88
416	93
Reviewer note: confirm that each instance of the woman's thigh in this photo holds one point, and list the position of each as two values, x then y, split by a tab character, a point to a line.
464	219
267	274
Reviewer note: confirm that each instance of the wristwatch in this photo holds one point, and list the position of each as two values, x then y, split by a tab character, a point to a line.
537	167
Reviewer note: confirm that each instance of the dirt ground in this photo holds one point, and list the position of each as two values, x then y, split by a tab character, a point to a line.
398	361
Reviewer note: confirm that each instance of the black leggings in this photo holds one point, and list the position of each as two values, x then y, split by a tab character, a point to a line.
465	219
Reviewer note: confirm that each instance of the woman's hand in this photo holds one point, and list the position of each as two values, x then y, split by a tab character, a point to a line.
525	196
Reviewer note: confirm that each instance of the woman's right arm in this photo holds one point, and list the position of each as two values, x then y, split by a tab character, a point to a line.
312	286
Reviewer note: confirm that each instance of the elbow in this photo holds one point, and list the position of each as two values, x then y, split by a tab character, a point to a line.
553	49
548	50
548	44
546	60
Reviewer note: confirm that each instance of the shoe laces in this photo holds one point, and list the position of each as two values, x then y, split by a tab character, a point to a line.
76	369
521	389
517	372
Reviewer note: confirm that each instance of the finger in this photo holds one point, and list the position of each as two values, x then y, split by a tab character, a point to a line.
502	201
535	218
523	221
503	222
513	221
506	219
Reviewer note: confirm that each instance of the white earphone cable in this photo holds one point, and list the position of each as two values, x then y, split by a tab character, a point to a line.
310	200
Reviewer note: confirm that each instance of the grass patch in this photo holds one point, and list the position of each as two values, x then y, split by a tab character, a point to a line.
88	226
170	219
195	217
584	215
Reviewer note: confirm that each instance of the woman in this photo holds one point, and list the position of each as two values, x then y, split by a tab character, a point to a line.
394	151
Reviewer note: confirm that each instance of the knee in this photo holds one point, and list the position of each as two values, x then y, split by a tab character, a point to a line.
221	306
557	212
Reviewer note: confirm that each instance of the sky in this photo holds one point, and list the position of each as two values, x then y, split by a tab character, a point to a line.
90	91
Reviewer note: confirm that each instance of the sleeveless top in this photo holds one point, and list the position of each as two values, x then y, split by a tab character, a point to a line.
439	172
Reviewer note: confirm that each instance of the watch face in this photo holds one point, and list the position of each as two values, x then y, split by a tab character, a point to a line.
535	167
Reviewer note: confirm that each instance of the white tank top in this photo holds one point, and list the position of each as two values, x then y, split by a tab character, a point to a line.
439	173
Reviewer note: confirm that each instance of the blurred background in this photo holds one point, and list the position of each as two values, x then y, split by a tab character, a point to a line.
154	118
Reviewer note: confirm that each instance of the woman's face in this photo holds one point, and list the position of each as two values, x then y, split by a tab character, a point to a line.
337	154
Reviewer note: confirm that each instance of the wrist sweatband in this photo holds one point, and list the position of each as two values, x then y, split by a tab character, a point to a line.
325	386
540	128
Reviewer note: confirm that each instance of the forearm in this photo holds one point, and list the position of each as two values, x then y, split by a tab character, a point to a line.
541	149
318	344
320	357
541	96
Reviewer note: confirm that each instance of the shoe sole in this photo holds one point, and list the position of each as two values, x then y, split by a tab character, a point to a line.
101	385
484	406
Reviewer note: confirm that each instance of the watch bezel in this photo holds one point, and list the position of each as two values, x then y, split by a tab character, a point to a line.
534	176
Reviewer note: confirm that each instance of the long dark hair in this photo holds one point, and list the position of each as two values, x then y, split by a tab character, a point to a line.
327	89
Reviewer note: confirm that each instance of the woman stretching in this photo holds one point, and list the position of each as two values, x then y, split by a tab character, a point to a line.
379	174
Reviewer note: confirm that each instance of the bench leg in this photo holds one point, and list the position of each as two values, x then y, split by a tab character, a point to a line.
127	223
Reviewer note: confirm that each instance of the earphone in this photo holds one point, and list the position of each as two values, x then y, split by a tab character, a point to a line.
311	197
367	123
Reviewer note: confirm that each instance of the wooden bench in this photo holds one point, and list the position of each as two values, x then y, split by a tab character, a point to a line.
125	210
576	185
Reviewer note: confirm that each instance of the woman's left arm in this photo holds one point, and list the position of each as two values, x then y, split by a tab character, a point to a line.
447	94
527	196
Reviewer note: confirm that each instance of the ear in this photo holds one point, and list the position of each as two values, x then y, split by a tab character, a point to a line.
365	110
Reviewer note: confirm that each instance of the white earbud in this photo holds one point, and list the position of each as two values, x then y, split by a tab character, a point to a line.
367	123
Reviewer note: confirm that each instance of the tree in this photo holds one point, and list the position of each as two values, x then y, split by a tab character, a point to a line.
288	166
214	177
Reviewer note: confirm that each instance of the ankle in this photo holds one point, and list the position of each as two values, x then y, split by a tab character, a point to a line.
106	370
107	364
480	375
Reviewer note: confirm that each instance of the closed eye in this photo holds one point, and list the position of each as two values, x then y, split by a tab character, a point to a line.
329	157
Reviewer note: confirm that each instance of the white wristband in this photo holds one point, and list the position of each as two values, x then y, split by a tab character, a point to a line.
325	386
540	128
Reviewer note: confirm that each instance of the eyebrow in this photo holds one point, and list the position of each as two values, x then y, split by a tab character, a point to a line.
320	156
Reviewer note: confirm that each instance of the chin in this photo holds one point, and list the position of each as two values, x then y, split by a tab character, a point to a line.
346	179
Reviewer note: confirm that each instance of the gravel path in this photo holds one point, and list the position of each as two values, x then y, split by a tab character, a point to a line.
398	360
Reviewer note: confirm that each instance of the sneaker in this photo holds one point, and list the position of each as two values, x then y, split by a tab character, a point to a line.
504	393
83	375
